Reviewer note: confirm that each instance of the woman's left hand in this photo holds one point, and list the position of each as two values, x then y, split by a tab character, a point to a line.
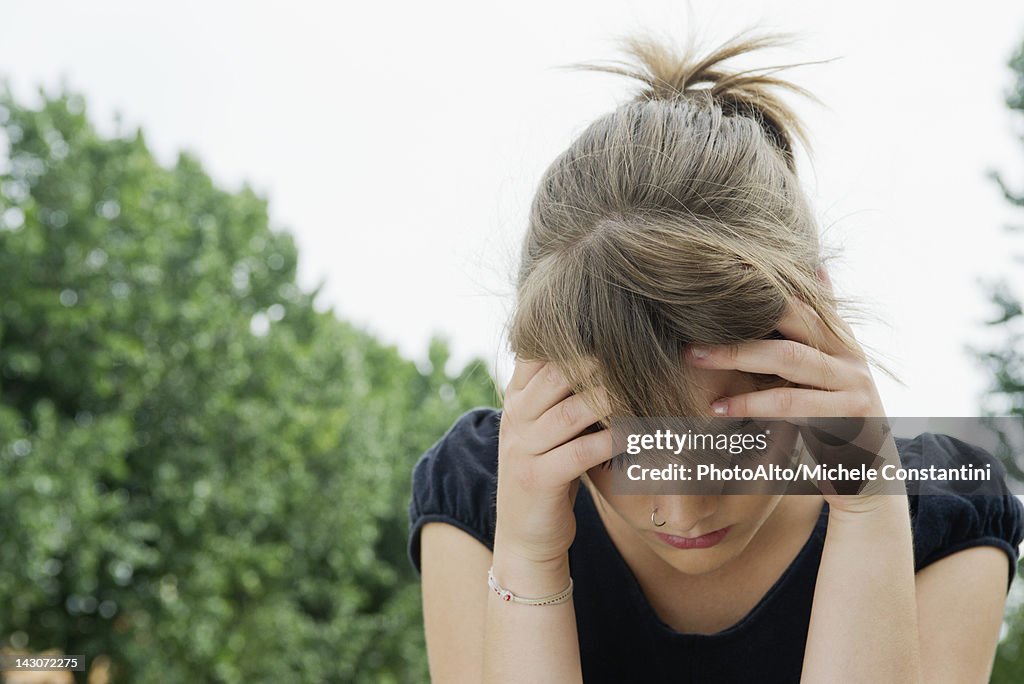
831	383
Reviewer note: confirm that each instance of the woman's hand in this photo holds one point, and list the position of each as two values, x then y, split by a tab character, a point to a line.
541	456
831	383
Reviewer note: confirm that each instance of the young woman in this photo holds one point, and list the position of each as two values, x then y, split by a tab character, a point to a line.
672	267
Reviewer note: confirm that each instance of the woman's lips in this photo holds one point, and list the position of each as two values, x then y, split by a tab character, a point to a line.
702	542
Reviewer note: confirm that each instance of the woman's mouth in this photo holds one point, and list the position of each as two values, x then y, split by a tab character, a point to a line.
702	542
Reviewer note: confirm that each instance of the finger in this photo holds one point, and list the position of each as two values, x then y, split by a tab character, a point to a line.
788	402
524	370
546	388
576	457
802	323
791	360
570	417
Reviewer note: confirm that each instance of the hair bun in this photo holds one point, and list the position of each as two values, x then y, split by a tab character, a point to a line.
667	75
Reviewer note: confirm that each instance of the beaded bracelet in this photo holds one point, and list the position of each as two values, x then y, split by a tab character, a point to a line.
506	595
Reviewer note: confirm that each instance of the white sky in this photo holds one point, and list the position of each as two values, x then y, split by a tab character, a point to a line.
401	144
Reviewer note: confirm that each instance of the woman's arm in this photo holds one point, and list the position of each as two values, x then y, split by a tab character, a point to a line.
454	602
472	635
873	620
960	604
544	447
864	625
525	643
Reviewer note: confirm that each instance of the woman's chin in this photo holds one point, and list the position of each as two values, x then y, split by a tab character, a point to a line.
695	561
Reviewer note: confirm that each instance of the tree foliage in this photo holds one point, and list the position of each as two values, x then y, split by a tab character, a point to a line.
204	477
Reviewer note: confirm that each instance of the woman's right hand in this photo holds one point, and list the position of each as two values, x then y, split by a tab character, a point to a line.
541	456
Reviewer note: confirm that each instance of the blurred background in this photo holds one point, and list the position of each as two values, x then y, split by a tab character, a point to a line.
256	257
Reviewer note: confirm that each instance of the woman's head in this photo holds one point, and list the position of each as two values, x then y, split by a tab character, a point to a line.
675	219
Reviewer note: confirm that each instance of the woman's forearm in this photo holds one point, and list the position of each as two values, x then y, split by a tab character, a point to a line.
863	624
524	643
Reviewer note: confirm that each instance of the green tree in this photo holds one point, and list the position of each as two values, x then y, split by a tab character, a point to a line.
1006	365
203	476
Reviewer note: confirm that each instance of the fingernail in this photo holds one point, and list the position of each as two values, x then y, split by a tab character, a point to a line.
699	351
720	407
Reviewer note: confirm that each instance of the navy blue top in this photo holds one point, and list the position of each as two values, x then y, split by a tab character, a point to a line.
621	637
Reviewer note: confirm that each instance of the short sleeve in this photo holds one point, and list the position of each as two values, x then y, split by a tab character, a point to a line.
455	480
951	521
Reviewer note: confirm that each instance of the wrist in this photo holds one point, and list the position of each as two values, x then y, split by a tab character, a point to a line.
861	510
528	551
528	577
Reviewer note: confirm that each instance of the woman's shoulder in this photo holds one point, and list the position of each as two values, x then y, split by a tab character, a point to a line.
455	480
953	515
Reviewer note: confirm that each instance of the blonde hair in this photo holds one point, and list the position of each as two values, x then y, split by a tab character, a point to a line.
675	219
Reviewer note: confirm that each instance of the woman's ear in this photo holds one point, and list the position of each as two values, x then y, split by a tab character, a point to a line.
824	277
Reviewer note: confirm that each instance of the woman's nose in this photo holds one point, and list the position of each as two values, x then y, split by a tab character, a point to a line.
684	513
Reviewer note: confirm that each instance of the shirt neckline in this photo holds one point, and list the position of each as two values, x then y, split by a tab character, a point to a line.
816	536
